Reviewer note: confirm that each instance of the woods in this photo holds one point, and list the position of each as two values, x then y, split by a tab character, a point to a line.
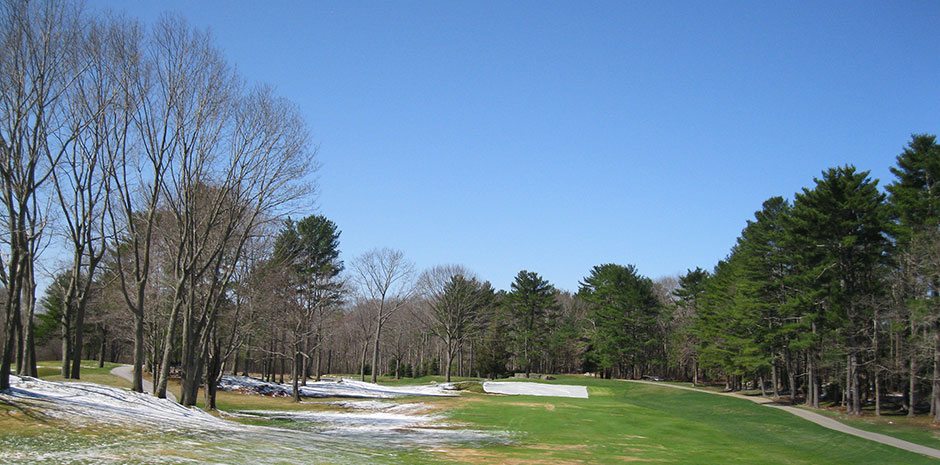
831	297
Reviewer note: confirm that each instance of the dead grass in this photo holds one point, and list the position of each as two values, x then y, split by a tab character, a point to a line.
480	456
531	454
547	406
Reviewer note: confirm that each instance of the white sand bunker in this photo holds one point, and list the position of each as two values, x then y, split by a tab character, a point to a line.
523	388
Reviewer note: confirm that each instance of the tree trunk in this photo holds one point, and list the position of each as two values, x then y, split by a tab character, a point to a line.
247	364
79	336
102	344
362	361
139	351
877	393
67	341
854	390
449	361
912	385
329	361
305	364
319	366
773	380
375	348
935	395
296	370
791	375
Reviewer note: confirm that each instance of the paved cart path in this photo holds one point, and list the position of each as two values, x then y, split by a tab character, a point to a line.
820	420
127	372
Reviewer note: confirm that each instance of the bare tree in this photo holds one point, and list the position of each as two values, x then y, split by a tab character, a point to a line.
385	278
82	179
38	64
139	157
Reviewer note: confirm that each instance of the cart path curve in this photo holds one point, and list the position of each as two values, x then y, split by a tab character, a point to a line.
127	372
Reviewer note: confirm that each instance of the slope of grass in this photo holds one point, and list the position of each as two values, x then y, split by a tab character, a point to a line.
634	422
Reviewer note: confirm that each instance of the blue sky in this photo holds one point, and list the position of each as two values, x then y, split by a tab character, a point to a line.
557	136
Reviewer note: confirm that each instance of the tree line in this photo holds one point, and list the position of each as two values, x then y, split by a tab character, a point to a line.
831	296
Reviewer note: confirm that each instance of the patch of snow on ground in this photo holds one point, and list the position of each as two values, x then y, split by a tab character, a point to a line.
86	403
376	405
389	428
339	388
535	389
367	431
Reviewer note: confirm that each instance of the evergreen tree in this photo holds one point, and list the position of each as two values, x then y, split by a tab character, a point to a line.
683	342
728	322
624	312
310	251
915	193
839	228
915	205
530	298
766	266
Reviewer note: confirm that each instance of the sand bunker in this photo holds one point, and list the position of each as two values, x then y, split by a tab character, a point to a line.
522	388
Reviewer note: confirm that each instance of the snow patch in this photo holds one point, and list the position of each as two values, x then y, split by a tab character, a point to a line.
332	388
389	427
88	403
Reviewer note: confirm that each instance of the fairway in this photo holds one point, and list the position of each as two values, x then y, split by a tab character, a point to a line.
624	421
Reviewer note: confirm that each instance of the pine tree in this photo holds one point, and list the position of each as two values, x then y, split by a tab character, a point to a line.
840	229
915	205
692	286
531	297
624	312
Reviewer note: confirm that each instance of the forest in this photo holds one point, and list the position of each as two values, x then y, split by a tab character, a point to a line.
163	202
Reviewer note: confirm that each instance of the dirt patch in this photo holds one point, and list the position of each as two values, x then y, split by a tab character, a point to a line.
623	458
558	447
549	407
477	456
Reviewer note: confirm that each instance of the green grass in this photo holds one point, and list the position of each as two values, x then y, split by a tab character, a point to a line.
628	421
919	430
90	373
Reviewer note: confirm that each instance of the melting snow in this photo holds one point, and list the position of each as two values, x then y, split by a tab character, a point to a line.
366	431
86	403
339	388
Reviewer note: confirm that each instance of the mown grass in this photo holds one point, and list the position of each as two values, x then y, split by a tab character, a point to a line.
635	422
919	429
90	373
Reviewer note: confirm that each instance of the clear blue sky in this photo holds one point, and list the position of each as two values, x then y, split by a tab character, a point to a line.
557	136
